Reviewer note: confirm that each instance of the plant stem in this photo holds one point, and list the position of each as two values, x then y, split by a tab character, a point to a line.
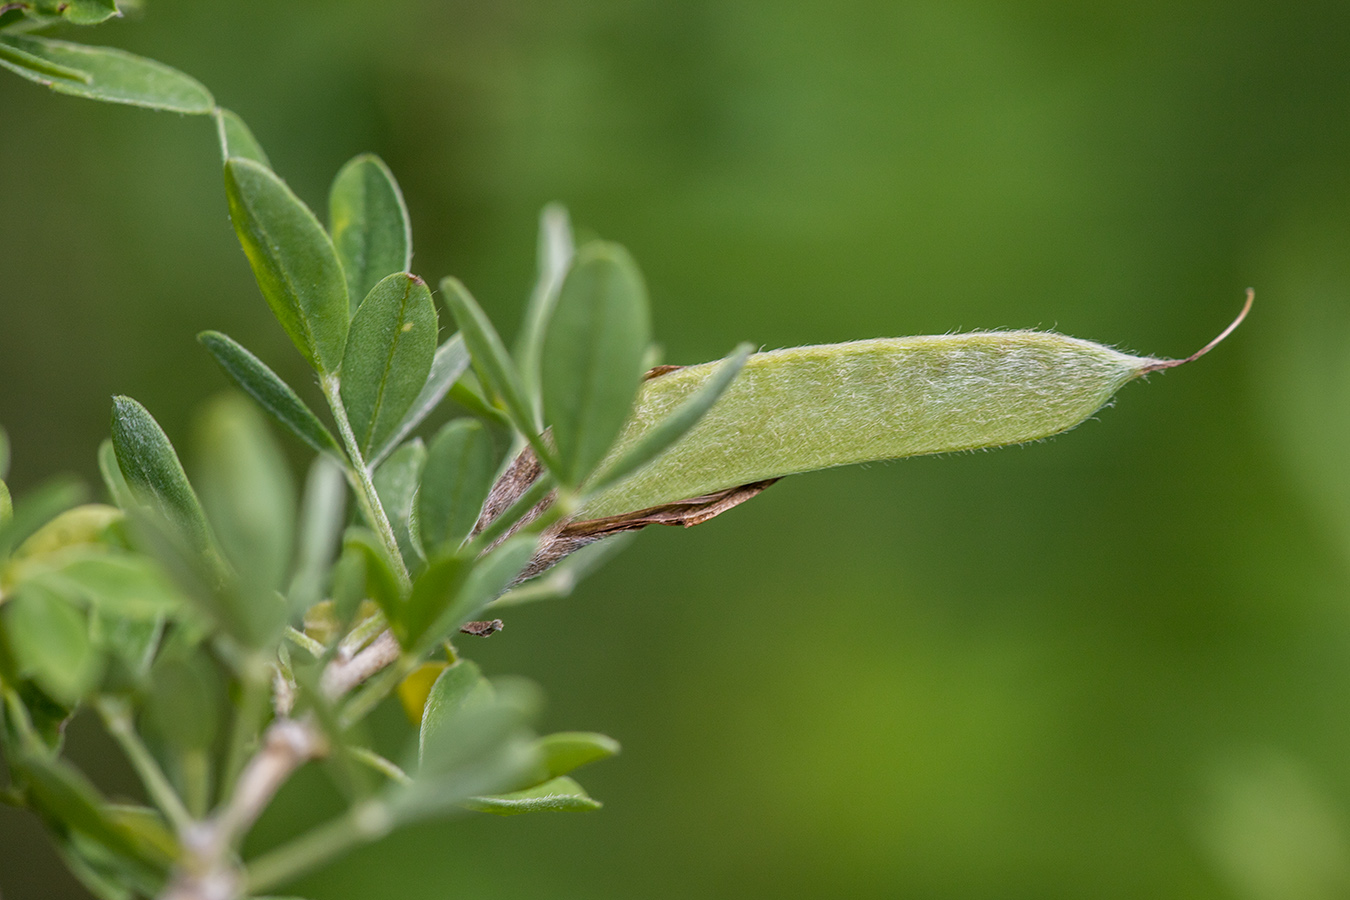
248	715
117	719
358	473
367	822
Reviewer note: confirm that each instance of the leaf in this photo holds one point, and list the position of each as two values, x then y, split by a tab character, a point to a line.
6	505
831	405
39	507
459	687
184	704
449	363
459	472
369	224
271	393
83	525
321	525
434	590
396	484
566	751
381	583
674	426
293	261
49	641
490	359
79	12
557	795
414	690
119	585
555	251
249	498
4	454
152	470
389	353
491	575
103	73
236	141
118	489
592	362
563	578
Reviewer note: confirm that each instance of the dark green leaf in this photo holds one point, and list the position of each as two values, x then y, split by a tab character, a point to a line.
566	751
36	509
236	141
455	482
381	583
489	355
558	795
272	394
118	489
389	354
592	359
247	492
432	593
396	484
554	255
320	531
449	363
369	224
103	73
49	641
292	259
674	426
152	470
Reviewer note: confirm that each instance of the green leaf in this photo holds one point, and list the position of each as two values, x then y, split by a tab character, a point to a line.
369	224
248	495
674	426
236	141
184	704
566	751
592	359
35	510
555	251
459	472
6	505
292	259
155	475
118	489
4	454
79	12
814	407
449	363
557	795
490	359
460	689
321	524
119	585
396	484
103	73
389	353
562	579
490	577
271	393
432	593
381	583
49	641
79	527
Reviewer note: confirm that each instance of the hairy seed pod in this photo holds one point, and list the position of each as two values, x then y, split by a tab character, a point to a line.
808	408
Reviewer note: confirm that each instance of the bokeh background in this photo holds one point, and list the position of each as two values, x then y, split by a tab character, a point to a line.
1113	664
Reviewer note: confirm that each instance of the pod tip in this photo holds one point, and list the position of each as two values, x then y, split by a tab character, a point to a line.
1156	365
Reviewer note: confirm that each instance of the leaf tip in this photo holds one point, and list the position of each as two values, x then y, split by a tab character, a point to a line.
1156	365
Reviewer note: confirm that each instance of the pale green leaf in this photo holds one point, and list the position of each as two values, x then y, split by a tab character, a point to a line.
49	641
236	140
103	73
459	472
321	523
369	224
396	484
490	359
558	795
554	254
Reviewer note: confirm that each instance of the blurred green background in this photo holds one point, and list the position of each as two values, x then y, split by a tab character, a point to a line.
1114	664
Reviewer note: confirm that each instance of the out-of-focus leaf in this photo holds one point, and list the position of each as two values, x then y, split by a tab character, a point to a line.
83	525
592	361
389	353
414	690
272	394
396	484
6	505
49	641
677	424
128	641
455	481
566	751
320	532
555	251
490	359
248	494
4	453
103	73
490	577
349	584
380	581
236	140
564	577
153	471
435	589
39	507
458	687
369	224
558	795
118	489
121	585
79	12
449	363
293	261
183	707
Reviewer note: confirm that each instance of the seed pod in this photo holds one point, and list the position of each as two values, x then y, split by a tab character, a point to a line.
815	407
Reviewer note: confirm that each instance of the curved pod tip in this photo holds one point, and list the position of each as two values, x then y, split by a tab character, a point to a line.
1157	365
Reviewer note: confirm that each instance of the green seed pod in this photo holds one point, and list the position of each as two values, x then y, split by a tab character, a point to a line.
808	408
